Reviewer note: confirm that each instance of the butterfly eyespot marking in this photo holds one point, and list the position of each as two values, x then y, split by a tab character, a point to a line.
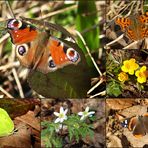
72	55
14	24
51	63
22	49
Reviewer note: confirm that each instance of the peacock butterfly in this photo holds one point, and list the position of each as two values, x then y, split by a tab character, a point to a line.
37	49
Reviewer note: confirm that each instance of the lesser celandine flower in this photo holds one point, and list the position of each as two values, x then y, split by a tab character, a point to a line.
122	76
86	113
142	74
61	115
129	66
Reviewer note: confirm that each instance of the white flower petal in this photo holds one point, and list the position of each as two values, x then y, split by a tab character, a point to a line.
57	130
61	110
64	127
87	109
80	113
60	126
82	118
56	113
57	120
65	112
61	120
91	113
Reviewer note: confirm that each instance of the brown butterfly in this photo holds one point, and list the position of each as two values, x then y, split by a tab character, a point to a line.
37	49
135	27
137	124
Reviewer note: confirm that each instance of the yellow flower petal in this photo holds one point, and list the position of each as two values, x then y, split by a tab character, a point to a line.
141	74
129	66
122	76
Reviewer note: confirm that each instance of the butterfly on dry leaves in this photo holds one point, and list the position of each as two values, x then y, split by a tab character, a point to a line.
135	27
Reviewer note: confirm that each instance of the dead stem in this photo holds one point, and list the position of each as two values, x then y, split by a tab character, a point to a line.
102	93
6	93
96	85
56	12
102	79
18	83
114	41
2	39
9	65
78	33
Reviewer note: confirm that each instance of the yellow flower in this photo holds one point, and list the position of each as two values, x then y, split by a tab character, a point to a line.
142	74
122	76
129	66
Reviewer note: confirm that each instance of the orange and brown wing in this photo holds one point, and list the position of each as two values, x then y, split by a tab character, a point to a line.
144	24
136	126
21	32
57	55
145	121
124	23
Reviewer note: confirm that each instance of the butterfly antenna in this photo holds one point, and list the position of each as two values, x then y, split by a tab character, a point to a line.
10	9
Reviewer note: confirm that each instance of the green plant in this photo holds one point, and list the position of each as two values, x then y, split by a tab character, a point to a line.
73	125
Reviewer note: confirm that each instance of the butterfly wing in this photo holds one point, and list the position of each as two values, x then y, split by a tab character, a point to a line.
36	50
145	122
143	19
24	36
6	124
21	32
49	26
57	55
124	23
70	81
137	126
29	54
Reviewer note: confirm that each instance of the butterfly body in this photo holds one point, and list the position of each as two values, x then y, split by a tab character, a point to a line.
39	50
135	27
138	125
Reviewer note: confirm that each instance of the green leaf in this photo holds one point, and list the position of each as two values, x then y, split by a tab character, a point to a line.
85	21
6	124
113	89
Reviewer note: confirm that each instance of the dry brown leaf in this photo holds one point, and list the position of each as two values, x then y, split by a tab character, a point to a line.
114	142
117	104
30	119
20	139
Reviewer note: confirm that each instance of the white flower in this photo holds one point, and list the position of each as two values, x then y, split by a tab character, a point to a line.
58	128
86	113
61	116
64	127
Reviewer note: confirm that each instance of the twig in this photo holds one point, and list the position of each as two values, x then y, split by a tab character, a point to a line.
130	45
95	86
1	96
4	37
8	5
78	33
9	65
18	83
114	41
56	12
6	93
98	94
